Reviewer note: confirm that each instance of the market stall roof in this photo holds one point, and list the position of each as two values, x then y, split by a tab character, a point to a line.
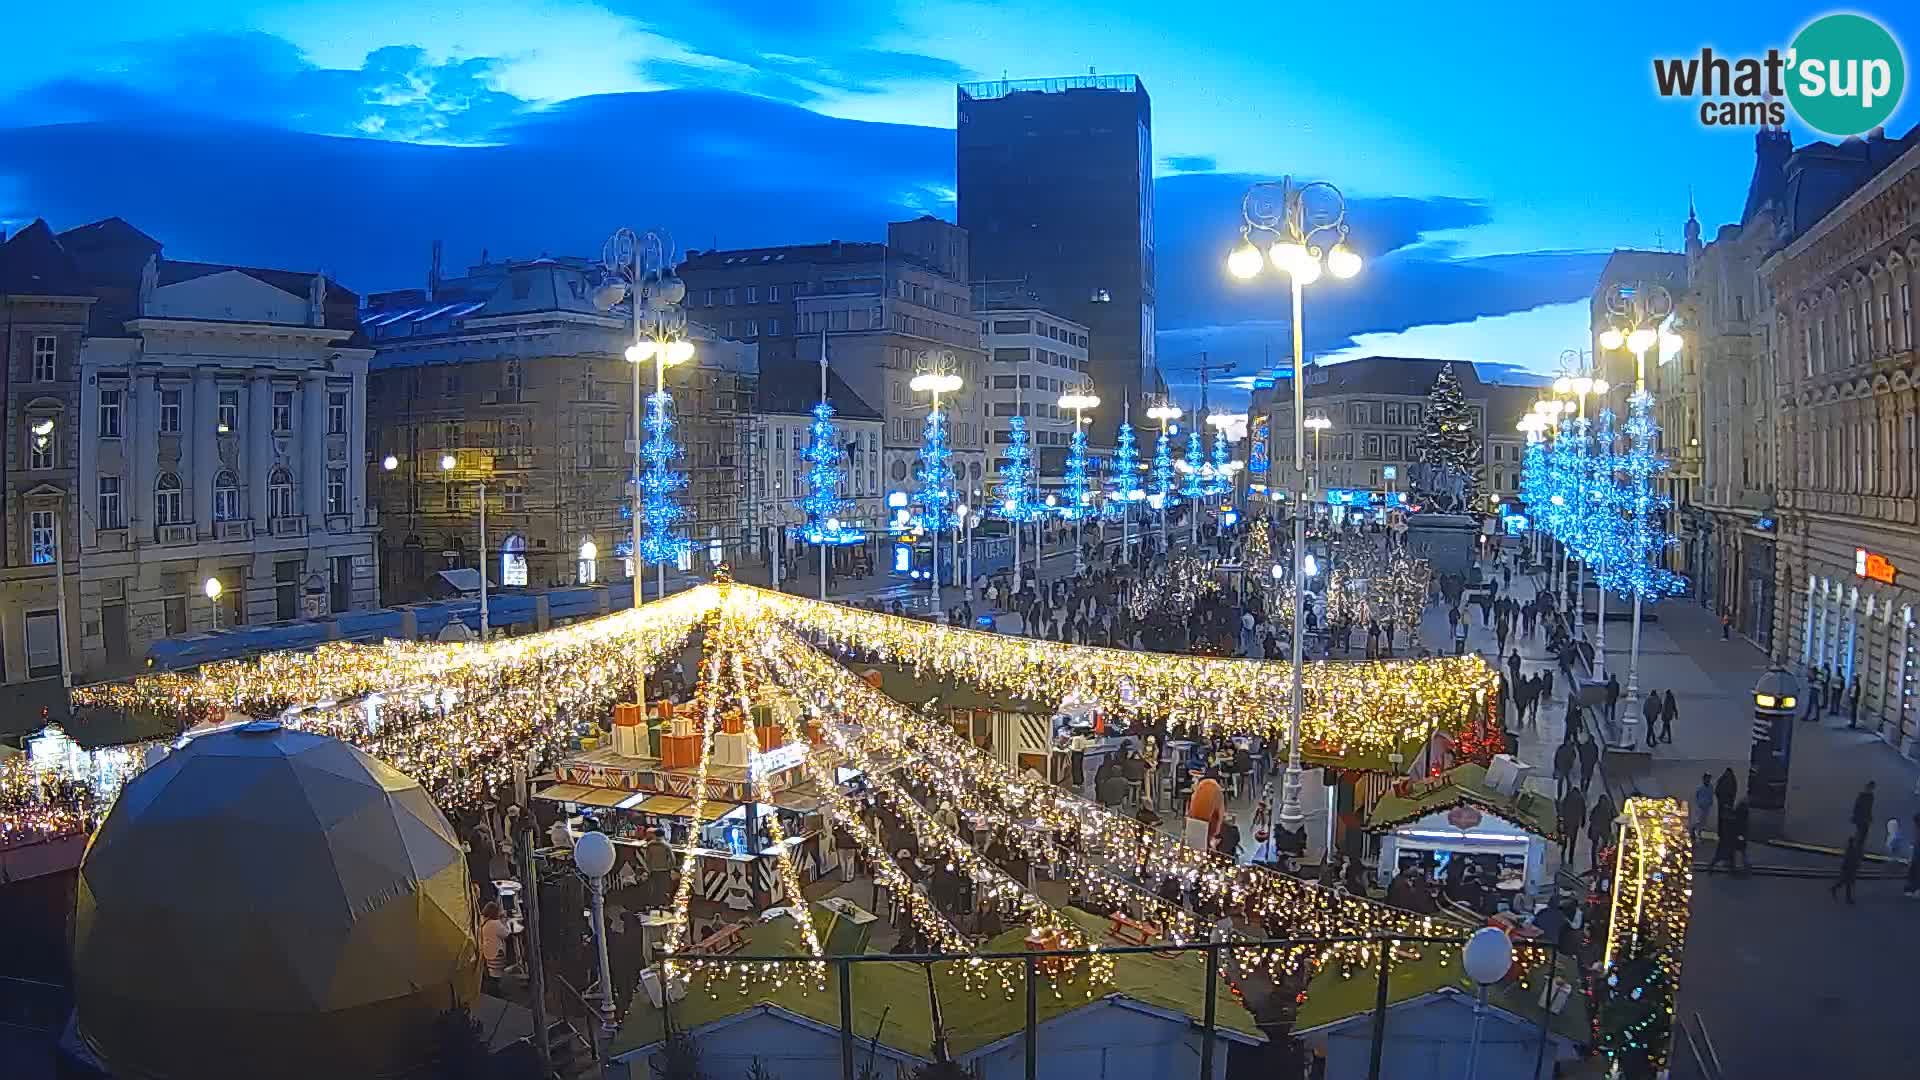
902	685
562	792
890	999
1465	785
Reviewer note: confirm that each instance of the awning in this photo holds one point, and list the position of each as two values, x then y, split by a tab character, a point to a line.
564	793
801	801
670	805
604	797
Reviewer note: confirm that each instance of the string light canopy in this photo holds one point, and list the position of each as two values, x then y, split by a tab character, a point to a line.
1646	935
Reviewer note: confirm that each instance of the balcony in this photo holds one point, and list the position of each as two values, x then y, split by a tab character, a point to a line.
233	530
289	526
174	535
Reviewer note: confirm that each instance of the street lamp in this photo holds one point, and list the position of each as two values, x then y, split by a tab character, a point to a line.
390	463
1486	958
1317	423
213	589
1079	401
641	268
593	857
447	462
934	381
1295	220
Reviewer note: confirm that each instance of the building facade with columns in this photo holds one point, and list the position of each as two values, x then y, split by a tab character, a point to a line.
221	437
1843	332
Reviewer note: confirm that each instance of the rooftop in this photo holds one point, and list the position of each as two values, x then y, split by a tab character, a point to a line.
999	88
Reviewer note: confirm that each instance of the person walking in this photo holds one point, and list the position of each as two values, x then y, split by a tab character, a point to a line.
1513	666
1702	806
1853	703
1589	753
494	935
1599	828
1737	826
1863	812
1726	625
1725	789
1669	711
1849	868
1573	818
1563	761
1814	690
1613	699
1500	637
1651	712
1460	639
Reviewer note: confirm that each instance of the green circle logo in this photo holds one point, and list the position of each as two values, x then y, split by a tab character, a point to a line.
1845	74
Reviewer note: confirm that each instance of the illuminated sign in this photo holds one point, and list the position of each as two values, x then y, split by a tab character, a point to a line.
1873	566
1390	472
779	759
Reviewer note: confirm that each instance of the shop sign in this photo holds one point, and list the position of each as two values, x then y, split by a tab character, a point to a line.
1873	566
1463	818
779	758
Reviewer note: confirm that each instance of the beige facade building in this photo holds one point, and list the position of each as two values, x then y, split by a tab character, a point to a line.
1843	331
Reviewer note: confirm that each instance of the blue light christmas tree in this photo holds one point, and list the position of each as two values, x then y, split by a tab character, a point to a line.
1642	538
934	497
1162	472
1219	482
1076	492
1259	463
1534	485
1600	534
1124	478
1017	497
826	468
1194	487
659	513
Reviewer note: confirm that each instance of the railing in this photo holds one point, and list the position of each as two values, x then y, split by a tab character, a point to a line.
1534	958
999	88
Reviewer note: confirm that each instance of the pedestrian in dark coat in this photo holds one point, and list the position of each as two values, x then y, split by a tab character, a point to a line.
1669	711
1849	868
1599	828
1651	711
1613	697
1513	665
1724	791
1863	812
1563	759
1589	758
1573	817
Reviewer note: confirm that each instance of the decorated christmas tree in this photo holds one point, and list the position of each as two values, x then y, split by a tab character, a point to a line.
1450	445
1123	475
1220	480
1602	531
1193	486
658	511
826	468
1642	538
1016	474
1162	472
1258	558
934	497
1077	489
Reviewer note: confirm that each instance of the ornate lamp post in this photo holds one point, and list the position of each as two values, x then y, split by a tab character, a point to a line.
640	267
1305	228
447	464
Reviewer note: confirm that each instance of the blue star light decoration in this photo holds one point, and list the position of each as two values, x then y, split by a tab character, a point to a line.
826	470
933	499
1016	490
659	513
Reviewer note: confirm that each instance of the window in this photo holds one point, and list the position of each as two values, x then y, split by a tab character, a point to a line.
453	382
732	297
510	374
226	497
41	443
514	498
450	499
169	412
336	491
46	357
453	434
1393	413
773	294
753	328
282	411
168	506
110	413
108	515
1013	326
773	327
337	412
40	533
280	493
753	294
228	412
711	295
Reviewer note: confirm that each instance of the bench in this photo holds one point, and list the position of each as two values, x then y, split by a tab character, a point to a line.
729	939
1130	932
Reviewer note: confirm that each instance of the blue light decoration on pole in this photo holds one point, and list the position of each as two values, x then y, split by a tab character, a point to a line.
1639	572
1603	527
1123	482
1017	503
822	504
1220	481
659	513
1163	493
935	496
1193	487
1074	506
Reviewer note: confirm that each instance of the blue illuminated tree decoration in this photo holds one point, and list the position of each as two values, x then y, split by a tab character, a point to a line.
935	497
1535	485
1017	496
1638	568
659	513
1123	478
1258	461
1162	471
1600	535
1194	487
1075	505
826	468
1220	480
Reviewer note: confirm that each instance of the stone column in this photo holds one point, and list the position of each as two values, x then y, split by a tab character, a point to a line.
310	435
139	411
258	432
357	449
200	420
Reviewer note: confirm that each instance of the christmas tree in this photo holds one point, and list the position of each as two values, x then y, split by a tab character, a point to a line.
1163	488
1194	488
1219	483
826	468
1602	534
659	513
1123	476
1016	474
1077	493
1450	444
934	497
1642	539
1258	558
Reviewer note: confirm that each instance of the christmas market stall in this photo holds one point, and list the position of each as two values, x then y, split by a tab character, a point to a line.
1476	831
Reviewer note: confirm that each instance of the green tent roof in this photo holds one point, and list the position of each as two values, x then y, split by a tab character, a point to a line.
1466	785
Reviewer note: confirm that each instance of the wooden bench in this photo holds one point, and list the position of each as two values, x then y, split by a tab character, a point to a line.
1130	932
728	939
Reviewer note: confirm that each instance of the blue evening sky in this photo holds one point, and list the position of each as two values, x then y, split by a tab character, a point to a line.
1491	153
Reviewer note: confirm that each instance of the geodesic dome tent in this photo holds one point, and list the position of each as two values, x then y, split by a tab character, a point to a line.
268	902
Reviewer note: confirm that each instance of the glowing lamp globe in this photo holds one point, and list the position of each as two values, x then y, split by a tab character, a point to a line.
1343	261
1642	339
1245	261
593	854
679	352
268	902
1612	339
641	351
1488	955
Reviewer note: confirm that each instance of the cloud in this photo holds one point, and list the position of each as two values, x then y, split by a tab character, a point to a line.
1189	163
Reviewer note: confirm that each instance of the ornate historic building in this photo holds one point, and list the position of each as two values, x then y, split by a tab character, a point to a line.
1843	331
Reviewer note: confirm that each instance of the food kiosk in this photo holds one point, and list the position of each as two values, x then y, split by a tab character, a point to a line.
1501	833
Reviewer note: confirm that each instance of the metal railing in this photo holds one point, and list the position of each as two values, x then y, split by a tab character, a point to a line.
1534	957
999	88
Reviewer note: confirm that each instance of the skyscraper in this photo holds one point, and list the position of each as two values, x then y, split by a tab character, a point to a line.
1056	188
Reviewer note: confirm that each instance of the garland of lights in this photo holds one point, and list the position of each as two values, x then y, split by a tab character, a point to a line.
776	832
1351	707
826	471
1646	935
1221	467
659	512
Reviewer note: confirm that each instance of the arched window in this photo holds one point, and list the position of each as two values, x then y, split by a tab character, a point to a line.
226	496
513	560
168	507
280	493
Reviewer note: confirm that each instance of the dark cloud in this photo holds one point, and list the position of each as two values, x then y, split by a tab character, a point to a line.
1190	162
397	93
